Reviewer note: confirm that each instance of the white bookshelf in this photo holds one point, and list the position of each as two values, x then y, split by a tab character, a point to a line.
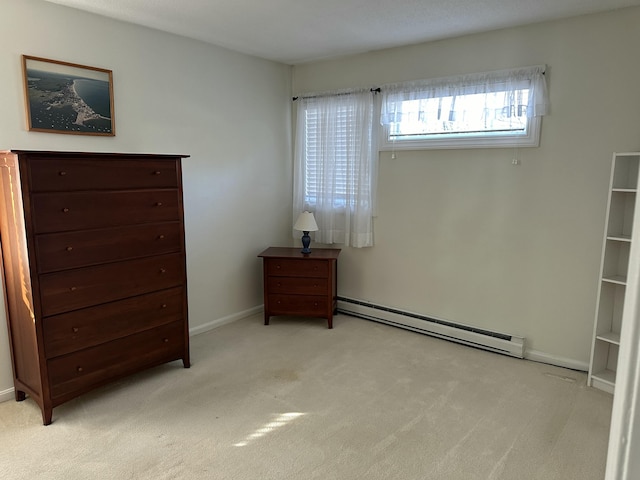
618	235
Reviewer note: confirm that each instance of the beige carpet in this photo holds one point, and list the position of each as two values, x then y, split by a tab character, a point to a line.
295	400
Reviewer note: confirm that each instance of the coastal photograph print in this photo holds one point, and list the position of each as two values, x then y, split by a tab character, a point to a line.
64	97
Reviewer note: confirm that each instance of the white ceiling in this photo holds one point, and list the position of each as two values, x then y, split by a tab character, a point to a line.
298	31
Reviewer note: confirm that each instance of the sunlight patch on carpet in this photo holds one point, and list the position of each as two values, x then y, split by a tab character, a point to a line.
280	421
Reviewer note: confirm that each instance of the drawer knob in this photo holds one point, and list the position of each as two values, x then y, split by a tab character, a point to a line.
279	302
166	340
65	210
157	172
278	267
80	369
160	237
163	270
164	305
279	284
62	173
75	329
69	249
73	289
158	204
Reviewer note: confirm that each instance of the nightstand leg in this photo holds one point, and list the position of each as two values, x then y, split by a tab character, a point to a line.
266	318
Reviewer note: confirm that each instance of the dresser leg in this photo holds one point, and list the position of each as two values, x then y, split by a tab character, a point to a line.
47	413
330	322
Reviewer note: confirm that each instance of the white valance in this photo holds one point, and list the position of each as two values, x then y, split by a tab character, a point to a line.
531	78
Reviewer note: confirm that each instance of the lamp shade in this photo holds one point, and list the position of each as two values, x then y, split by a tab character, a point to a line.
306	222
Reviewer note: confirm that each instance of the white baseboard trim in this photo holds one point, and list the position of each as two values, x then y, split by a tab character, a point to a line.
542	357
6	395
224	320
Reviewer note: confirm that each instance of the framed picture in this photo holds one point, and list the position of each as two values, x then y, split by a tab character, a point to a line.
62	97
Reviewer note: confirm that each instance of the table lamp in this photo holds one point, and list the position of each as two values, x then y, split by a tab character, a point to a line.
306	223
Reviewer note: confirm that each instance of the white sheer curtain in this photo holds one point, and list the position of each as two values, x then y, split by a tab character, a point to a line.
503	81
335	165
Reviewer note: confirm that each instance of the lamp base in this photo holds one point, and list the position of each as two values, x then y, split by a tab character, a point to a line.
306	241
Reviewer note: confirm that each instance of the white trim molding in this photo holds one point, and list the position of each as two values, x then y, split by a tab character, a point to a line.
6	395
543	357
224	320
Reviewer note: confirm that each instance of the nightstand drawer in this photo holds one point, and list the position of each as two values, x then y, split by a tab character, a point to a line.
92	326
92	366
297	268
297	285
298	304
85	287
60	212
66	174
62	251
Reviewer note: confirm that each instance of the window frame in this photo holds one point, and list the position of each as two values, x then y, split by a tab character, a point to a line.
461	140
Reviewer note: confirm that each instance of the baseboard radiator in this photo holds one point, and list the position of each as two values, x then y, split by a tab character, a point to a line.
474	337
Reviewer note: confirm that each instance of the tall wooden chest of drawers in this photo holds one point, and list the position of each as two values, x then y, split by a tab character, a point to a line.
300	284
94	261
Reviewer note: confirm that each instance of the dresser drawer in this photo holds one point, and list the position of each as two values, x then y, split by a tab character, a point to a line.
296	267
58	251
65	174
59	212
297	285
84	287
85	369
298	304
88	327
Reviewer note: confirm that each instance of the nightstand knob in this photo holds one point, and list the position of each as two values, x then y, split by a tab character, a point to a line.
75	329
157	172
65	210
62	174
158	204
160	237
73	289
164	305
163	270
79	369
69	249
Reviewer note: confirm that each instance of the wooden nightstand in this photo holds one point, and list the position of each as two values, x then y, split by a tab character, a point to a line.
298	284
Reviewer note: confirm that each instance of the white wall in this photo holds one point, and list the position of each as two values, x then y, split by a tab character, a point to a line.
229	111
514	249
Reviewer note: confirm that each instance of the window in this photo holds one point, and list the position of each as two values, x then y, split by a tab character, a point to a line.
496	109
333	144
334	168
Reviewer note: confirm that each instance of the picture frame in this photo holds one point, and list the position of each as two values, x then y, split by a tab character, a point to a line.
63	97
